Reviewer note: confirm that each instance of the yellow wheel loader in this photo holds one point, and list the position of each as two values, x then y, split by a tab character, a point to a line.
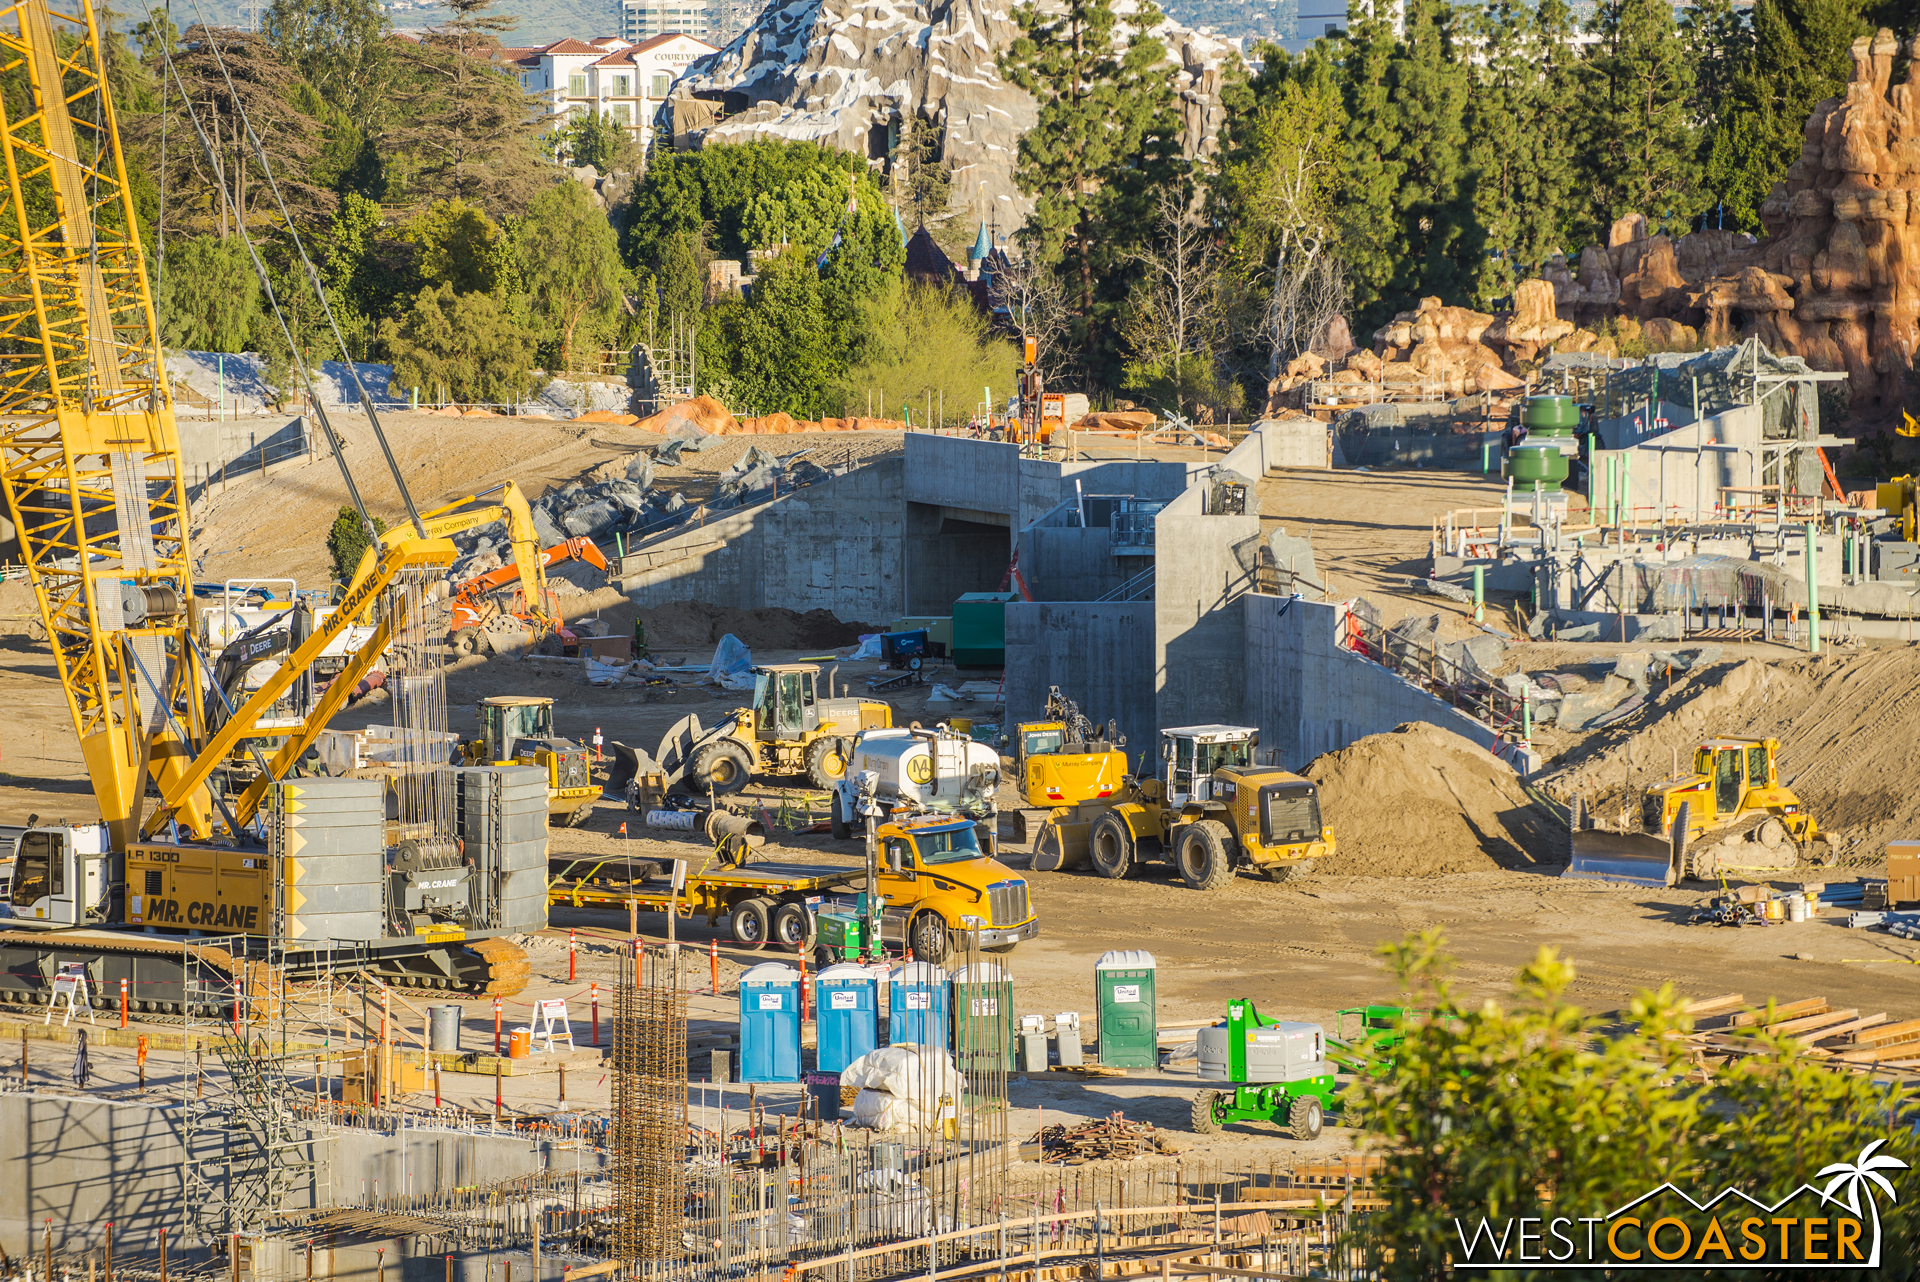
1210	812
788	730
1730	814
1060	761
517	730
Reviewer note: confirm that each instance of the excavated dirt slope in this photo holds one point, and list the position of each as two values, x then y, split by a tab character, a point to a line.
1422	801
1847	727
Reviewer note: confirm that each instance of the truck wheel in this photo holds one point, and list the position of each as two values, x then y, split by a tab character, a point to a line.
1204	1122
1283	873
1111	846
579	815
1304	1117
466	641
748	924
836	821
793	927
931	939
1202	858
827	761
722	766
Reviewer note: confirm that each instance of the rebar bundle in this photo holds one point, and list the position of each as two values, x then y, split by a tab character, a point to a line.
648	1137
417	677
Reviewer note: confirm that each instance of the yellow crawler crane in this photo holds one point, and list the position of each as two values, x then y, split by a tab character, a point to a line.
91	470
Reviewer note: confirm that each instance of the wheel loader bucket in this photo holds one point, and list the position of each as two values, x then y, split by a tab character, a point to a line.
627	762
1062	844
675	752
1633	858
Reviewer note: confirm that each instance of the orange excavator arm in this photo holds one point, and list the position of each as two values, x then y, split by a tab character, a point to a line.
470	593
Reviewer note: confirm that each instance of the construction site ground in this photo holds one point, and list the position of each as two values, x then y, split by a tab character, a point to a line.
1301	950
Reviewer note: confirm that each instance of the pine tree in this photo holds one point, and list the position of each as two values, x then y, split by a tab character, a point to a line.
1797	56
1434	203
1104	139
1371	237
1633	127
1522	168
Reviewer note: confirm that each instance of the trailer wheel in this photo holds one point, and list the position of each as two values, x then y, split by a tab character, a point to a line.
932	941
1111	846
1204	1122
1202	855
748	924
793	927
827	761
836	821
1305	1117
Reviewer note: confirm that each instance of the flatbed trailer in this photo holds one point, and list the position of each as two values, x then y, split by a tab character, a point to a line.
762	903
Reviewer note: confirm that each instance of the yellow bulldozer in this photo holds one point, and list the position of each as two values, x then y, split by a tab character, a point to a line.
1733	794
1210	812
1059	761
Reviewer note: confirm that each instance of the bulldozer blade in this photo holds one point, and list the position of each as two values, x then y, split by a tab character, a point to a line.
1632	858
1060	846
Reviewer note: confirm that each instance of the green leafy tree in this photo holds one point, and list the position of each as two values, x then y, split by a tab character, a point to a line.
468	346
1798	55
932	348
1522	170
343	48
348	541
773	351
1105	137
1434	203
571	259
600	141
454	244
1530	1107
357	263
209	300
706	194
806	213
1636	135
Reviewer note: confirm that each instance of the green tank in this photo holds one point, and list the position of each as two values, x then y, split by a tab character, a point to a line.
1540	461
1550	415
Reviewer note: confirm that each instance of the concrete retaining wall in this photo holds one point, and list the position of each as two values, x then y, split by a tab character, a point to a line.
990	476
1068	563
1679	471
1095	652
1297	442
1309	695
214	452
834	546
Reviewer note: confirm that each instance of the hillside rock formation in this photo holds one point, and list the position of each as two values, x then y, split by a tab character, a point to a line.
862	74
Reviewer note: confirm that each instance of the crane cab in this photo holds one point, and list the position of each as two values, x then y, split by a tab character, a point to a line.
62	876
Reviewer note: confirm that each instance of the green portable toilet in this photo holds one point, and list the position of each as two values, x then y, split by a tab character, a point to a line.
985	1036
980	629
1129	1025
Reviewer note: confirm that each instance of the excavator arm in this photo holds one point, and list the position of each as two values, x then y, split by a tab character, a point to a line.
456	517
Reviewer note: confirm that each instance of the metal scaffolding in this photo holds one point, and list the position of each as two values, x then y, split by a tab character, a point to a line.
648	1135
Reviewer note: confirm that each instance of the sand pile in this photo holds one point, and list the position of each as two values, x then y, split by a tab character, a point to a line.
1846	727
1421	801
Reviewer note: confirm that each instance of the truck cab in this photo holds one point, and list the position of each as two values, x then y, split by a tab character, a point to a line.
62	876
939	879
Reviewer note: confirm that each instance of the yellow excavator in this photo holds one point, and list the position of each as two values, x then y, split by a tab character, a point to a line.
1058	762
91	470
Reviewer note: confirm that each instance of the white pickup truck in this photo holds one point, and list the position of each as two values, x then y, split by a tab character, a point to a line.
937	771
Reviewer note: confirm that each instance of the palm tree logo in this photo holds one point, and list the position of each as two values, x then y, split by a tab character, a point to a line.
1863	1175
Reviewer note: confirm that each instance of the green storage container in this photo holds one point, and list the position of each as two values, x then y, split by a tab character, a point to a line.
1550	415
985	1036
1129	1022
980	629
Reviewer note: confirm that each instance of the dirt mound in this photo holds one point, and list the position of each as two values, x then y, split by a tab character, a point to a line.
1845	725
696	623
1421	801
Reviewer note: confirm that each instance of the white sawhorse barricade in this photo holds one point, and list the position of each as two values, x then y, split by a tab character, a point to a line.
70	983
550	1023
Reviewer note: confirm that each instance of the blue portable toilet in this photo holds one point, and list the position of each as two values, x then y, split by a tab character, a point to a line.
917	1011
770	1024
846	1016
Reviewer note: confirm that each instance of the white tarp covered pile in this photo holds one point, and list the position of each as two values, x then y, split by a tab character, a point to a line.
903	1088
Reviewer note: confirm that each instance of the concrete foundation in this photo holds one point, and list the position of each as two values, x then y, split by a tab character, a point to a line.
1096	652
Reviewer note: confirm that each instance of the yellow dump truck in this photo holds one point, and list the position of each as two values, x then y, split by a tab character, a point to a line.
1210	811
